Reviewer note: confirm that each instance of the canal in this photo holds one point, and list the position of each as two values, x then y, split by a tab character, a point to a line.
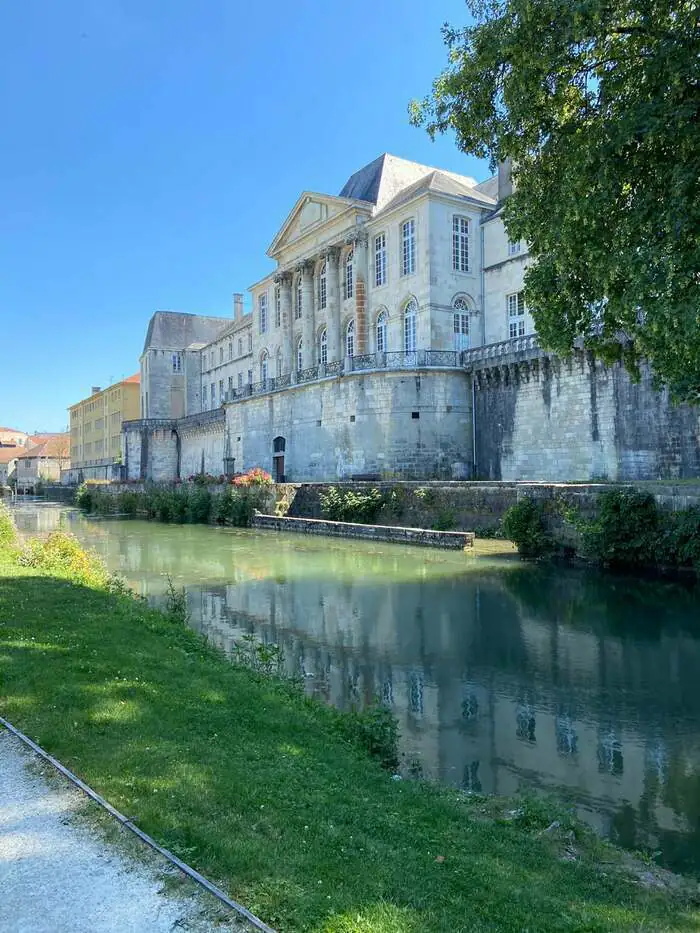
503	676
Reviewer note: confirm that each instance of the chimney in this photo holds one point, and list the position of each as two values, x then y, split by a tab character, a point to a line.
237	306
95	390
505	182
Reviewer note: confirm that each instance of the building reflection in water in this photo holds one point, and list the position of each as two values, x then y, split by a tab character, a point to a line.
502	677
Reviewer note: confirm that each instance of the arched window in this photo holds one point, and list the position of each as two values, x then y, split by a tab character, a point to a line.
322	287
409	325
461	323
323	347
278	363
264	360
350	339
348	274
381	332
300	354
297	299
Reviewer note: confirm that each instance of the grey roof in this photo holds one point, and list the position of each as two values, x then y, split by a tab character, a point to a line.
381	181
441	183
174	330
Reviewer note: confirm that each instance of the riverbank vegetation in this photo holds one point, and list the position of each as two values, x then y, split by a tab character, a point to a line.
627	530
274	795
201	500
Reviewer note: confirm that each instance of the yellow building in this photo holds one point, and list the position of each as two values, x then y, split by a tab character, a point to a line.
96	427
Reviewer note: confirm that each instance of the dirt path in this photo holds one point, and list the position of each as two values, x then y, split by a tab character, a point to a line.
65	868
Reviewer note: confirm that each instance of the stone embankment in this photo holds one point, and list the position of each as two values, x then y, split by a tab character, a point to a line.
425	537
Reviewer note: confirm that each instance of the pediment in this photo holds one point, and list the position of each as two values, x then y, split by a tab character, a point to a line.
310	211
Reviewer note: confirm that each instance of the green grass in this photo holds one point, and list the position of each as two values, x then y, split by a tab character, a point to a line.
253	785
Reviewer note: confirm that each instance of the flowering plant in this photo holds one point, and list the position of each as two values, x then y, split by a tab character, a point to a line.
255	477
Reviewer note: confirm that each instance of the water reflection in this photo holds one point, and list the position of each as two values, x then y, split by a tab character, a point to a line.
502	676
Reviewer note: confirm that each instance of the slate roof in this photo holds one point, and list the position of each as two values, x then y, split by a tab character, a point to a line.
442	183
174	330
381	181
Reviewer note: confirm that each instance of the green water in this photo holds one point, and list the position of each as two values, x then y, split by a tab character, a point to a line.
502	675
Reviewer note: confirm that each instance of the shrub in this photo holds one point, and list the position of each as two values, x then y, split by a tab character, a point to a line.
199	502
376	730
351	506
206	479
236	506
523	524
83	497
128	502
61	554
626	530
8	532
680	541
444	520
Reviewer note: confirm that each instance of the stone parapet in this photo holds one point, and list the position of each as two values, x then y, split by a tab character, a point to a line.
424	537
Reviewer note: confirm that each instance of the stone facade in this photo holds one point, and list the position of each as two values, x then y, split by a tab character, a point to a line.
392	339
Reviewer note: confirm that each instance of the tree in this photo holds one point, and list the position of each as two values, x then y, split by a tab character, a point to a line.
596	102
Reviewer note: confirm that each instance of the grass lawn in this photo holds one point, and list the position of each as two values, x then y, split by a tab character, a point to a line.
253	785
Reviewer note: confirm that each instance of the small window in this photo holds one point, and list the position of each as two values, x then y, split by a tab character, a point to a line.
278	306
322	290
323	347
349	283
381	332
415	415
515	304
513	247
409	326
250	343
350	340
352	419
300	354
460	244
408	247
298	300
177	363
380	260
262	309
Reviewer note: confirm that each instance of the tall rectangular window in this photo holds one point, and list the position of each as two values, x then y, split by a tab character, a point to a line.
177	363
221	355
213	395
349	273
297	299
262	310
230	383
460	244
240	380
408	247
380	260
515	304
230	349
250	342
250	377
278	306
204	398
322	291
221	390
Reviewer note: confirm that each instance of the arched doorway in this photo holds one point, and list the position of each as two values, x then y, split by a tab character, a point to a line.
278	448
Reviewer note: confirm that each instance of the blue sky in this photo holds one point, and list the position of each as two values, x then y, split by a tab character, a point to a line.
152	149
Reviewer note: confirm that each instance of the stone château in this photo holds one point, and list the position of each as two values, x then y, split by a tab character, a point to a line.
392	339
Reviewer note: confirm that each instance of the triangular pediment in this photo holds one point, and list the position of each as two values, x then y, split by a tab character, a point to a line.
310	212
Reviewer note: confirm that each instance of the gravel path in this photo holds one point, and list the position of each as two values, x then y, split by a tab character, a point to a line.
65	868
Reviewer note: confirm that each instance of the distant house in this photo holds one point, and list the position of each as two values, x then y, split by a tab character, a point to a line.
13	437
8	463
42	462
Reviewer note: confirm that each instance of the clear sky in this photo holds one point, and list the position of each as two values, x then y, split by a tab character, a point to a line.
152	148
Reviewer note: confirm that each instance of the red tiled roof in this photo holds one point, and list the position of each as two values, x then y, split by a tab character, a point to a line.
48	445
11	430
10	453
135	378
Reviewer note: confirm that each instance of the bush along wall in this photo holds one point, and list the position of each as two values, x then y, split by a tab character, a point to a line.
627	530
195	501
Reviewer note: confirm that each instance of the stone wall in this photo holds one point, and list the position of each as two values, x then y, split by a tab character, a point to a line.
201	447
402	424
545	419
452	540
150	452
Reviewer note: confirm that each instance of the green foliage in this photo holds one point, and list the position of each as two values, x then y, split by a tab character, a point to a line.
444	520
351	506
198	504
128	502
83	497
625	531
596	103
176	603
375	729
679	542
523	524
256	656
8	532
62	555
237	505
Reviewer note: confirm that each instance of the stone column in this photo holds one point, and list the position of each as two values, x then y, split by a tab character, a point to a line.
361	278
284	280
335	352
308	330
